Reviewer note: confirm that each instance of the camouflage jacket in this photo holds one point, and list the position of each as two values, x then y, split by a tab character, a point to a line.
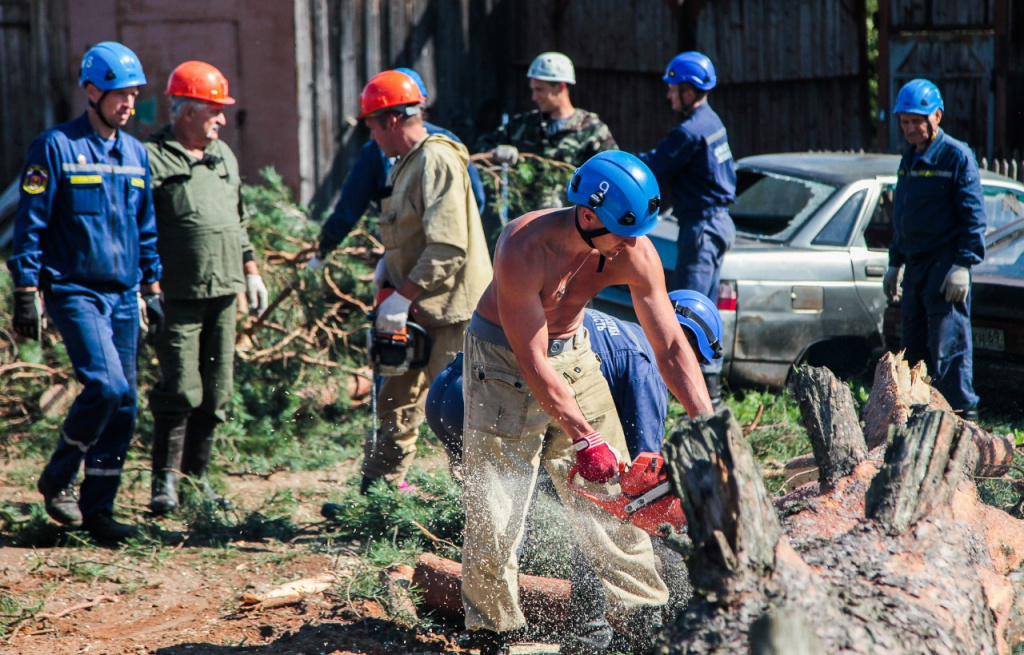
583	136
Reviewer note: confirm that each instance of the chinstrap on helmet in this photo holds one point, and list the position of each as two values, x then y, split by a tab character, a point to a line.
700	317
620	189
693	68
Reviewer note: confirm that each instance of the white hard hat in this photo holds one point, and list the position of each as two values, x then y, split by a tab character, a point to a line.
552	67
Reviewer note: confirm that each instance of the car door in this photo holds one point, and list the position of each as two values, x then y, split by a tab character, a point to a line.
869	252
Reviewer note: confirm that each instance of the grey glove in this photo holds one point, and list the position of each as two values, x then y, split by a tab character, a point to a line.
316	262
892	283
506	155
956	284
256	294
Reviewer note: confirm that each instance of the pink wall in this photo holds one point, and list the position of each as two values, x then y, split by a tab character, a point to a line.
251	41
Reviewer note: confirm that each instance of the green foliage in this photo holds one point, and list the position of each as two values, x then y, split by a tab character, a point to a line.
533	183
403	519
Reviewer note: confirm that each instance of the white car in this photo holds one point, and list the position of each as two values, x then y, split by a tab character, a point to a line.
803	283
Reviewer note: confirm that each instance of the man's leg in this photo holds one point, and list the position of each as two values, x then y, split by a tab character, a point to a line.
173	397
400	408
950	350
503	440
914	321
620	553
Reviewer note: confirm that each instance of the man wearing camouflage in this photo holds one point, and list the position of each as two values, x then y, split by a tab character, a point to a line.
556	129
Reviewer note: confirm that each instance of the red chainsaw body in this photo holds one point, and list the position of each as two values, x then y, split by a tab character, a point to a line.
646	500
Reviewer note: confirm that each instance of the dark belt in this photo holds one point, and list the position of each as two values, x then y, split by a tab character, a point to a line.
490	331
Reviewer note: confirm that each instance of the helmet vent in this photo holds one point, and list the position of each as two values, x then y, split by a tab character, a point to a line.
629	218
653	205
596	199
111	75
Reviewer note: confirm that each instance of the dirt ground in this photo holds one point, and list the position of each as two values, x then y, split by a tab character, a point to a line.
187	600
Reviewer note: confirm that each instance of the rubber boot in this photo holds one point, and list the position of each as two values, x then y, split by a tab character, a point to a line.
714	384
199	438
168	443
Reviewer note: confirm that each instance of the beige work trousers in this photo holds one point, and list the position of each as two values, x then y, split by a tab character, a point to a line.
400	408
507	437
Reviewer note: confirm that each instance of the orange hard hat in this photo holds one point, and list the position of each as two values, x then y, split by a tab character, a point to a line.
388	89
197	79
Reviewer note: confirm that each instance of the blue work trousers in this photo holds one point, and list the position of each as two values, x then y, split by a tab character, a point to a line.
937	331
101	333
704	238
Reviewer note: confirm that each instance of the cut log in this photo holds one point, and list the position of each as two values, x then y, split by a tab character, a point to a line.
544	601
952	581
896	388
731	521
830	418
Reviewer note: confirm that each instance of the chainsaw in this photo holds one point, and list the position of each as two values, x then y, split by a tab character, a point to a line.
646	499
394	353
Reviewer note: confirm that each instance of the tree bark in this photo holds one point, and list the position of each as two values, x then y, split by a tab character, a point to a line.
830	418
931	570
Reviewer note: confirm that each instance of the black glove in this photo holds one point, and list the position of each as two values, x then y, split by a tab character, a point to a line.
154	314
28	314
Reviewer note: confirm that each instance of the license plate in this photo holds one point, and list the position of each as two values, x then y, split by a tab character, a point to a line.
988	339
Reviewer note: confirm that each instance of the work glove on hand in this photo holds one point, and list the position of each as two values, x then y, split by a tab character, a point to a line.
28	314
892	283
256	294
506	155
380	275
316	263
595	459
393	313
955	286
155	318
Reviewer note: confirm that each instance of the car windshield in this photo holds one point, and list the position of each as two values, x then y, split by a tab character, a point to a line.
1004	254
770	206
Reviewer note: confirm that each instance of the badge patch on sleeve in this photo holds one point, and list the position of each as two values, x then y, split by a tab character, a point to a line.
36	179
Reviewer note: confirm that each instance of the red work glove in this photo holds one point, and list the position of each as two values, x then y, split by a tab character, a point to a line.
595	461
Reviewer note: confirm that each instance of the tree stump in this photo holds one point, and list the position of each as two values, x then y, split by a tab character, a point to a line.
830	418
930	570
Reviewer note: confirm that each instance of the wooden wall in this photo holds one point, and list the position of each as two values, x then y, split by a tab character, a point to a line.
35	86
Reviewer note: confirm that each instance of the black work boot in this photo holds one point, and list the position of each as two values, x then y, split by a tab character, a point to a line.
168	443
589	633
102	527
714	385
198	449
494	643
61	502
640	630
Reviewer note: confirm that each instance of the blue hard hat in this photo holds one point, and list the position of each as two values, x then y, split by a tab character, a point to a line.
698	314
445	407
919	96
110	65
415	78
693	68
620	189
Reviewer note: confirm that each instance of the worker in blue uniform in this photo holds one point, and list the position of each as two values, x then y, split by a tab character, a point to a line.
84	241
367	182
629	366
939	233
695	161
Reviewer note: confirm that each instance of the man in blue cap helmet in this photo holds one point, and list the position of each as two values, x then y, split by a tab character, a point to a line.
367	182
85	242
939	233
696	162
535	395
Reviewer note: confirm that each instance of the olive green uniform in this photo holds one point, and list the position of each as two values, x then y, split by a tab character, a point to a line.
201	232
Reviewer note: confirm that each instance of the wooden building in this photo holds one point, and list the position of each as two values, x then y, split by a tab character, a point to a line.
793	74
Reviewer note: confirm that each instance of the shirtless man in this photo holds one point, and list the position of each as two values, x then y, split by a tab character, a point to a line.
535	394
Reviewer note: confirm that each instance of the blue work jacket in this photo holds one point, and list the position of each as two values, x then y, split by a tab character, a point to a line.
939	203
85	216
631	369
695	161
365	183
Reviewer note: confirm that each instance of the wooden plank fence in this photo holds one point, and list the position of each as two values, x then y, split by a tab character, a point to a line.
1012	168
